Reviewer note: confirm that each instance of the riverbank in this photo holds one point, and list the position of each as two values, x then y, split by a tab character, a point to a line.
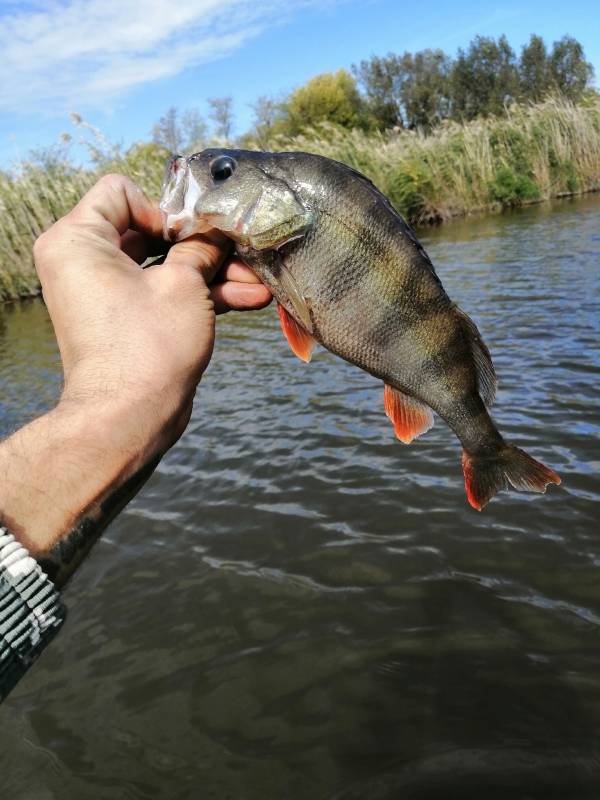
531	153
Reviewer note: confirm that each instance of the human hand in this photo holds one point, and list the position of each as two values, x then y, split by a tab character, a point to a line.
129	337
134	343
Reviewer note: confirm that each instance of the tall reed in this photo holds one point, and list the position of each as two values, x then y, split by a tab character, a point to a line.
530	153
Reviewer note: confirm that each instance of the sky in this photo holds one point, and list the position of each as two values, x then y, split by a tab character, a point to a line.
122	63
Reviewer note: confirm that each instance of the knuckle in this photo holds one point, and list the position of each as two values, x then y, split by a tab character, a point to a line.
111	179
40	243
41	247
115	182
182	287
46	248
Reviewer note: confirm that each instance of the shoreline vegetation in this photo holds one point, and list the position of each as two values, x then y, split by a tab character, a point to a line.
441	136
529	154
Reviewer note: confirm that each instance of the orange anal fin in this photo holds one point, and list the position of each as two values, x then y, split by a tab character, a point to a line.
411	417
301	342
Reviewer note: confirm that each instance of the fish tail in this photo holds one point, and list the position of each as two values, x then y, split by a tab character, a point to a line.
488	473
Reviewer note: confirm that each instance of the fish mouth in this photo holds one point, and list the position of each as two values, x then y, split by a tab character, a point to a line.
180	194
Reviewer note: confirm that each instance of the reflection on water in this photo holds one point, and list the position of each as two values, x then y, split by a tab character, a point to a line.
297	606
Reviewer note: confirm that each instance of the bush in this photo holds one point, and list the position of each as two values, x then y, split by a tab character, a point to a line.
511	189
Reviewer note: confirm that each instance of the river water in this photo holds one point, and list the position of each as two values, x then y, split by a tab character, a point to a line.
298	606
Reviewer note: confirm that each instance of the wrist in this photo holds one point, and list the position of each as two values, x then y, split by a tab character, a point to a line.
60	469
144	416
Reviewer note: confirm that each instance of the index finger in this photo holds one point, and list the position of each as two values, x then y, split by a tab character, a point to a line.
116	202
235	270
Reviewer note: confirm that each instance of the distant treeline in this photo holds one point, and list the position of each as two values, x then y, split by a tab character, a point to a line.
399	91
424	88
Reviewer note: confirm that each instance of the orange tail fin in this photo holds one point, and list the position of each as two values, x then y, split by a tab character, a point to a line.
487	474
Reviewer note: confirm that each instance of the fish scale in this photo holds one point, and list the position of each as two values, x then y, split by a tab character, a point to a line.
347	271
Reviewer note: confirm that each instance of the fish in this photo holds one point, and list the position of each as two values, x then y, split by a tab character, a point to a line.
347	271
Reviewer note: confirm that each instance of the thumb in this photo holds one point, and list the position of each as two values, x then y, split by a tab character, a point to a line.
203	252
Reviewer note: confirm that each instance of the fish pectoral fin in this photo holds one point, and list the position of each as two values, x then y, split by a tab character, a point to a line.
295	296
301	342
410	417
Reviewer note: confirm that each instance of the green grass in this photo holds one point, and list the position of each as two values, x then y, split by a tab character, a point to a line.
531	153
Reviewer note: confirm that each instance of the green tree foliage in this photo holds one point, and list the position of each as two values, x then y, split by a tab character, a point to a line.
569	72
484	78
331	97
534	76
381	80
420	89
563	70
408	90
425	89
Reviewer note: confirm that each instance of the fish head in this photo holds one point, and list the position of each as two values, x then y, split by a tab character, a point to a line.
235	192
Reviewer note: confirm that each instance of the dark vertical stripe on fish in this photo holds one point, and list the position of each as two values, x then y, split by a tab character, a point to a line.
455	350
352	270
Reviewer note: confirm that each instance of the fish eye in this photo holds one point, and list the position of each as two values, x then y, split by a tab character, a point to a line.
222	168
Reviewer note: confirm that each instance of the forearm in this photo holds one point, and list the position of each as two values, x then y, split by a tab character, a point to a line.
64	476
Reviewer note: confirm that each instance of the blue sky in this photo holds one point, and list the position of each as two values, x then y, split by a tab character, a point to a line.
122	63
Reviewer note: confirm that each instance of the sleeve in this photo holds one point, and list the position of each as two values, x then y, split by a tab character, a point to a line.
31	611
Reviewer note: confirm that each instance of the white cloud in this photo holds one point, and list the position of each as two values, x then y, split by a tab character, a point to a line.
80	53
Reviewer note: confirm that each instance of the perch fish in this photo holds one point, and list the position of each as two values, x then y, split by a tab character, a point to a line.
347	271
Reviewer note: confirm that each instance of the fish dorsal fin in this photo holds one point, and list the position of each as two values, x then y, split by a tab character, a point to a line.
411	417
484	368
301	342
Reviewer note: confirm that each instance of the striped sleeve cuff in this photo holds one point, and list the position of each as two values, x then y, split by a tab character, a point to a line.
31	611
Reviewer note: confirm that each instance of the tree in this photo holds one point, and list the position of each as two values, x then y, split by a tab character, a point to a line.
267	112
424	91
484	78
330	97
167	133
194	130
381	81
534	69
222	115
406	90
177	136
569	72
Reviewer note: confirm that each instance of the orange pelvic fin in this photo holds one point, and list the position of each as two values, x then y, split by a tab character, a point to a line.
411	417
301	342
